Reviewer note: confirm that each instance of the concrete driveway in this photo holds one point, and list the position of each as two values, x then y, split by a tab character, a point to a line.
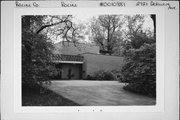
98	93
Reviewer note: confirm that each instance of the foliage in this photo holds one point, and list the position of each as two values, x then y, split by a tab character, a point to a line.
137	41
134	25
102	75
61	27
106	32
139	49
35	58
115	32
140	70
40	96
37	38
36	52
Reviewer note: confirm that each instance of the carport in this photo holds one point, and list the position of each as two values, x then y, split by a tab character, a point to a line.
68	66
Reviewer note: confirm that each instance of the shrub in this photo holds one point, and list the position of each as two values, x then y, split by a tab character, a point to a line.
102	75
140	70
36	52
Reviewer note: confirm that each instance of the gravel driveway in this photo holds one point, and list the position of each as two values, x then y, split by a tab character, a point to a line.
98	93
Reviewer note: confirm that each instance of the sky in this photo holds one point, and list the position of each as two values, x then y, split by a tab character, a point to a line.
85	19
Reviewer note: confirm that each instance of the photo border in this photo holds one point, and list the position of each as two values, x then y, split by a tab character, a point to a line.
159	12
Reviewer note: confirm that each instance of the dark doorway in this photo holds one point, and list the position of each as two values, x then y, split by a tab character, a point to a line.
70	74
68	71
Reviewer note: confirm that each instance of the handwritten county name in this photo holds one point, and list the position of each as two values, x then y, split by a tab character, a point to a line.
25	4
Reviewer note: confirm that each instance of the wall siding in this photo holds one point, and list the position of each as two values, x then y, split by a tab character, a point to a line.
95	62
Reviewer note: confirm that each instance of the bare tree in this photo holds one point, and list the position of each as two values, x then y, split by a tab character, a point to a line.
135	34
134	24
60	27
104	30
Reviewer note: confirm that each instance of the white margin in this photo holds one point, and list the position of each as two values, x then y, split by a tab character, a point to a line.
159	107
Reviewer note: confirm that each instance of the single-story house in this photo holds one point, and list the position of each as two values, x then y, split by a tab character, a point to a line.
77	61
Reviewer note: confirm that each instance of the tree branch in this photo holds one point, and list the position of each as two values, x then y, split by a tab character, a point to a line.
53	24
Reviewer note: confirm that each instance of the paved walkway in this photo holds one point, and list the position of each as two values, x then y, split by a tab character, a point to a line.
98	93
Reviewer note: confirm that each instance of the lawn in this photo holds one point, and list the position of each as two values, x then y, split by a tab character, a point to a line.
39	96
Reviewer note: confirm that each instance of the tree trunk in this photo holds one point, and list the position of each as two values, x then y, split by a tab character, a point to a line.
153	17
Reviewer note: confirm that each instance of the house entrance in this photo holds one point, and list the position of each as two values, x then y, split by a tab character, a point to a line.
70	74
69	71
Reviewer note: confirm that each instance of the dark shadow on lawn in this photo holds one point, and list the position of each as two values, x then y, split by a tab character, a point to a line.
39	96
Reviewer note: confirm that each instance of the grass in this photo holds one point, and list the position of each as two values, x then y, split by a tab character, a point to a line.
137	88
39	96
